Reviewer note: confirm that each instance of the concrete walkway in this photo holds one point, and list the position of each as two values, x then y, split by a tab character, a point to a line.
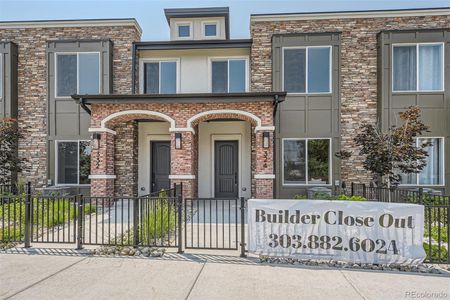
46	273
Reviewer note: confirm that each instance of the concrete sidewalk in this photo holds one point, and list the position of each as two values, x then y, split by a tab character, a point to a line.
68	274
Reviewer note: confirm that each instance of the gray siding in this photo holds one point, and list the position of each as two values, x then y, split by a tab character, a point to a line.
66	120
306	115
435	105
8	99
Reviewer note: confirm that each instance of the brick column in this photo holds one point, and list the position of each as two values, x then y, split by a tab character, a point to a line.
184	163
102	167
264	171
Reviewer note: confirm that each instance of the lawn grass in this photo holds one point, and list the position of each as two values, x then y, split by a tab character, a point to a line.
46	213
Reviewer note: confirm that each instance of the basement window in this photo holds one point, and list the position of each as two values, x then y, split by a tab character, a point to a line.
73	162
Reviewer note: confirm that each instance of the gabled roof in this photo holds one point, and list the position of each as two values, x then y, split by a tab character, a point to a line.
202	12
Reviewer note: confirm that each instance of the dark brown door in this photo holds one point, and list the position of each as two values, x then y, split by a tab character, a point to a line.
226	169
160	166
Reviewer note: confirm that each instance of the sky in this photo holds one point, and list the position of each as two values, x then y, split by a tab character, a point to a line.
150	13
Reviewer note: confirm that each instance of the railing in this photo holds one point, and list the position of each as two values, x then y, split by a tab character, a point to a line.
14	188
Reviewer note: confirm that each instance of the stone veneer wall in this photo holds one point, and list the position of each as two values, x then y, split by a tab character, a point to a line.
358	72
126	159
32	83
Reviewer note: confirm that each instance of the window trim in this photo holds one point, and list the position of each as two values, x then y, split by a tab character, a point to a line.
330	171
78	165
2	76
442	164
211	59
142	63
417	90
210	22
184	23
306	70
78	71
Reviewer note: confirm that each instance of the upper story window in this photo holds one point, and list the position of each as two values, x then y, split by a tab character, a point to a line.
418	67
306	161
77	73
229	75
307	69
210	29
160	77
73	162
433	173
184	30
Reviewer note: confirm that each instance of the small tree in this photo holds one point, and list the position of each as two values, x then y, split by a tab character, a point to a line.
389	153
10	164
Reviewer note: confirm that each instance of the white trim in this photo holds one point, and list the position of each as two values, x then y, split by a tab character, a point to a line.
159	60
2	76
182	129
77	53
184	23
417	46
223	111
351	15
330	78
181	177
71	23
210	22
102	176
226	137
442	165
264	128
227	59
91	129
330	163
137	112
264	176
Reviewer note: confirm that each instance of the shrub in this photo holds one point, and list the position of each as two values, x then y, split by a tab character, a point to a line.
436	251
159	220
323	196
436	235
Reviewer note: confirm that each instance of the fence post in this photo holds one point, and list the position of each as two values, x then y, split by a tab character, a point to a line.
135	222
364	191
420	195
243	227
79	200
28	216
352	189
180	218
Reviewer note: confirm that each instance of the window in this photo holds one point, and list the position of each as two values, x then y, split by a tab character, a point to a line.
210	29
1	75
433	173
418	67
229	76
77	73
307	70
306	161
184	30
73	162
160	77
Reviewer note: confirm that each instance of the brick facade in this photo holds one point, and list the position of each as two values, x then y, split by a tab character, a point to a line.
33	83
184	161
358	68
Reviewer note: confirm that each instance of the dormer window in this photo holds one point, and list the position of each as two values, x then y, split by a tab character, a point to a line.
184	30
210	29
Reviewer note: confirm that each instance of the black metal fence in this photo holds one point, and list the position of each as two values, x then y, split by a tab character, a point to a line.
14	188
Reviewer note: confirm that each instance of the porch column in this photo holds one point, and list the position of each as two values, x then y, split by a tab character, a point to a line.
264	171
184	162
102	165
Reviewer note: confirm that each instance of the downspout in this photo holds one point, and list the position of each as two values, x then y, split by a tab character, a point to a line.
83	105
276	101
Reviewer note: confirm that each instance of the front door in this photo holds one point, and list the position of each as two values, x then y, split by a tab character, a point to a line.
226	169
160	166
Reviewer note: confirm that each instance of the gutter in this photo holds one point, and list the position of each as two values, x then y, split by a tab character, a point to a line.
83	106
133	68
276	101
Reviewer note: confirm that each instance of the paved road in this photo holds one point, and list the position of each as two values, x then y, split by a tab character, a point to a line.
67	274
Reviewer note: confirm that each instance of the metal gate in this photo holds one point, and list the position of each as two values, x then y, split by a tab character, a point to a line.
214	223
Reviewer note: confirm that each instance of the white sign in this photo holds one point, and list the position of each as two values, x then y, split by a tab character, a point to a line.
352	231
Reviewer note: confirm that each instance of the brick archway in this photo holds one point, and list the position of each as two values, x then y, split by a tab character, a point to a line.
126	115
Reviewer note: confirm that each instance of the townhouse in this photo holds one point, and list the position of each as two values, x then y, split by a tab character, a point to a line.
105	113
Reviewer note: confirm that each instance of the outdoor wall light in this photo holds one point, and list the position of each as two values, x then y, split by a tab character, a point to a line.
96	140
177	140
266	136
